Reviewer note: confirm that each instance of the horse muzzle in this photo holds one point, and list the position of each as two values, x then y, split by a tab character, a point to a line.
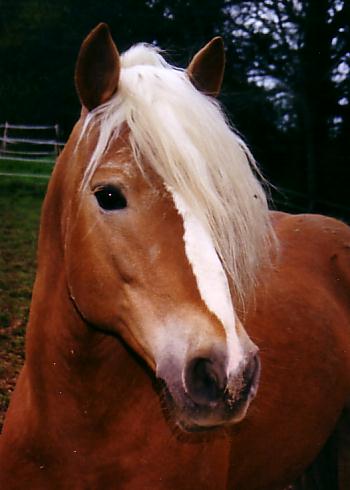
204	396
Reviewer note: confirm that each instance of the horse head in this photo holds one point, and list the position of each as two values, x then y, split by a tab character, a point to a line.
158	197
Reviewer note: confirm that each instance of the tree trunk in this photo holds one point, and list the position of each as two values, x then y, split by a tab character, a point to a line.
317	91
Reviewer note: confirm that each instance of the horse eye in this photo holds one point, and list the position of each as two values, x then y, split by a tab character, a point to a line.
110	198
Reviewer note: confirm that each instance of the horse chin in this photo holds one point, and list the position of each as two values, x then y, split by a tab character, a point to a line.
221	417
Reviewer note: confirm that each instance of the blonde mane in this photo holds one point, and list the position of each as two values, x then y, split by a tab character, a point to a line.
186	138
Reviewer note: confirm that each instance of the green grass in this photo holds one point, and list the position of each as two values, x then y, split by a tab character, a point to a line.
20	204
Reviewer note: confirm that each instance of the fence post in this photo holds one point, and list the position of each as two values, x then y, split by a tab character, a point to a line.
57	131
4	141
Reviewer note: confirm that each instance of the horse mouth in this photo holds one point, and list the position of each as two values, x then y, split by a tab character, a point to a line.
229	407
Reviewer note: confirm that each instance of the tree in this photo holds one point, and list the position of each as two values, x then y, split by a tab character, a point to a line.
299	53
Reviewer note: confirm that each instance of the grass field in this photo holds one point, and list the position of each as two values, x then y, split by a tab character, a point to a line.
20	203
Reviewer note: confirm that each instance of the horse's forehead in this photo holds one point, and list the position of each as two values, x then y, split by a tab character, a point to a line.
121	165
119	157
117	167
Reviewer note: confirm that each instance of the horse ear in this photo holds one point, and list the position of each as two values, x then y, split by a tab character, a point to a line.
98	68
206	70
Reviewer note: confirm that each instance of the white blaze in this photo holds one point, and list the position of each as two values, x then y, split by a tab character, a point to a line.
210	276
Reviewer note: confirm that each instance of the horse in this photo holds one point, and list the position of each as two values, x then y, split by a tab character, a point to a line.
181	335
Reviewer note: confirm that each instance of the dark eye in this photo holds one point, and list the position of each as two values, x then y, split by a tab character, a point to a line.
110	198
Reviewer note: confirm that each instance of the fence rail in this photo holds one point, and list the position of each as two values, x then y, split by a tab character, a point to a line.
12	143
36	153
28	126
19	153
30	141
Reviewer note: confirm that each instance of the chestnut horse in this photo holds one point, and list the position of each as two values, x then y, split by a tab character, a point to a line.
181	336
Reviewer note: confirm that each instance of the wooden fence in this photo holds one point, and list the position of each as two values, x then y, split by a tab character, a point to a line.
21	144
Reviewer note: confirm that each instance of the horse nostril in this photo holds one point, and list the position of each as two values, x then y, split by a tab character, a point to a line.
205	380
